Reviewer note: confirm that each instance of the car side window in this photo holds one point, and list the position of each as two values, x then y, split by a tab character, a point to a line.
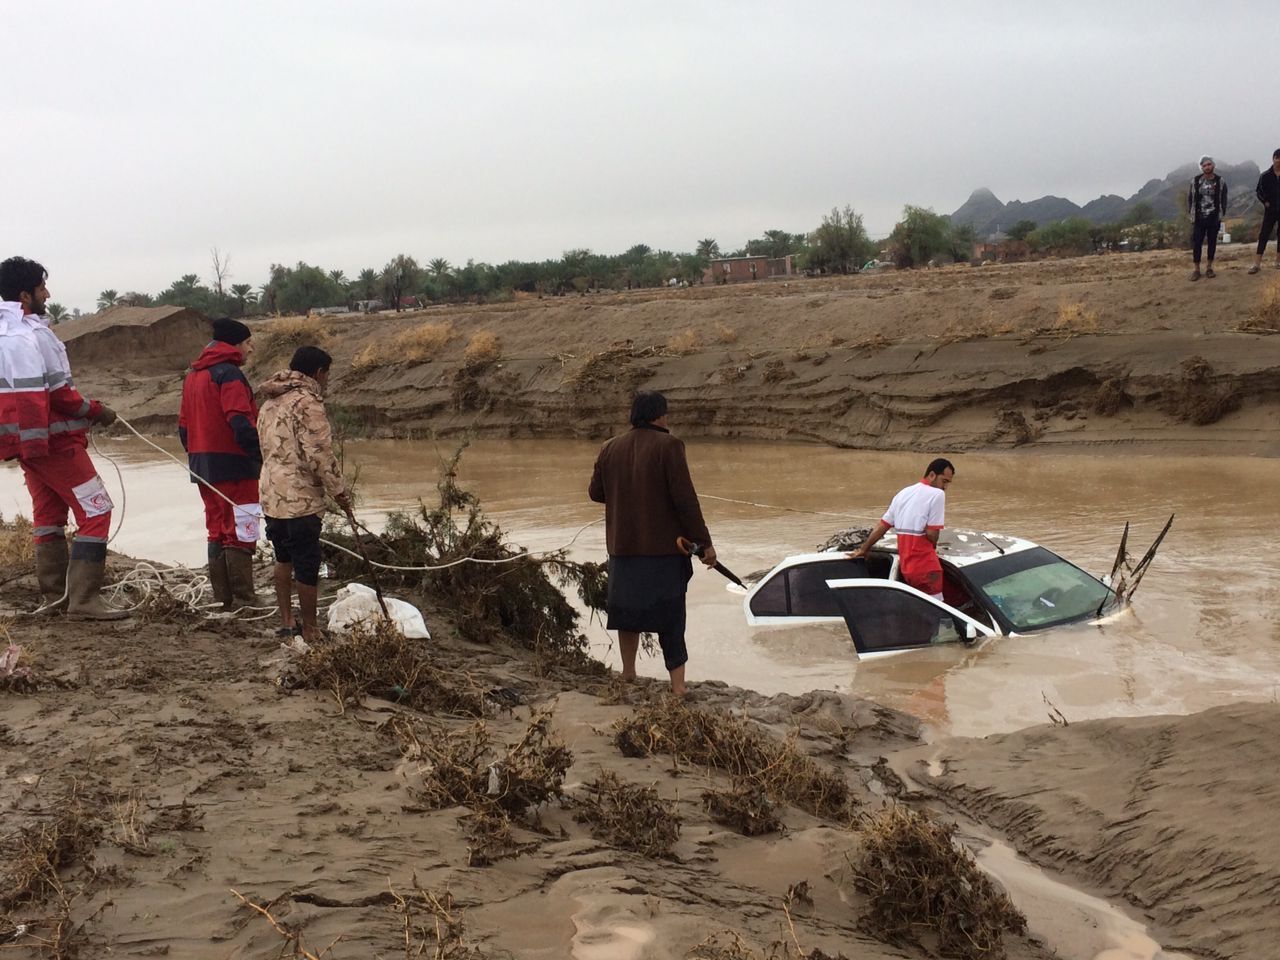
883	618
771	599
810	595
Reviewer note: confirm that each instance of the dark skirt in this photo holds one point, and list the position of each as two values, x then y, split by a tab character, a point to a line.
646	595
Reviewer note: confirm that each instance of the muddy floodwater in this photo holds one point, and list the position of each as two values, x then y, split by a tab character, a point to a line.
1204	629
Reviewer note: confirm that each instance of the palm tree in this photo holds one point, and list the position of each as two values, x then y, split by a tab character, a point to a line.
107	298
439	267
708	248
55	312
242	292
367	283
338	277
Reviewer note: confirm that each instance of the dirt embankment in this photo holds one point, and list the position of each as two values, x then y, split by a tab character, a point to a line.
1094	350
1174	814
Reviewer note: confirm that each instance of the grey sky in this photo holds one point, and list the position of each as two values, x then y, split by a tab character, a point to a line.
144	133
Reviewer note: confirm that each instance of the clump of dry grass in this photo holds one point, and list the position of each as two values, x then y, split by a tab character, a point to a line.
375	658
17	550
1265	318
1074	317
1193	396
745	807
725	333
415	345
489	838
482	349
685	342
280	337
462	767
629	816
160	606
919	880
740	749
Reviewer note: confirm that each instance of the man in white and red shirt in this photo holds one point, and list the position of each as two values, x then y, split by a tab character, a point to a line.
917	514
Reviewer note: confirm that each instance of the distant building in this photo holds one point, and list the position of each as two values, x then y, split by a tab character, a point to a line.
992	247
746	269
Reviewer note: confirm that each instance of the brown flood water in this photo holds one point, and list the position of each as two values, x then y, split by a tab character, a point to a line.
1204	629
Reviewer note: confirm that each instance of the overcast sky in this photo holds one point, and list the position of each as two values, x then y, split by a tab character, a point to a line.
144	133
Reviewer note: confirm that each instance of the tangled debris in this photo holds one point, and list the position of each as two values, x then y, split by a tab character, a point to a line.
489	838
629	816
737	747
745	807
462	767
160	606
516	600
920	880
846	539
376	659
17	549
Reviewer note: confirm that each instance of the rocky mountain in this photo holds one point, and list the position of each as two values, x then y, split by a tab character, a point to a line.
986	213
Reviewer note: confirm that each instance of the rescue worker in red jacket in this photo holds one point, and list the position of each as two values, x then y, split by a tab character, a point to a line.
218	426
44	422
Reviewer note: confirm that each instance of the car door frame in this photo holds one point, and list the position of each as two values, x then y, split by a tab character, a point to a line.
799	560
980	631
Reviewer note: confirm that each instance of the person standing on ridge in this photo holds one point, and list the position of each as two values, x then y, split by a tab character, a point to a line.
1207	204
642	478
44	425
1269	195
917	513
217	424
298	470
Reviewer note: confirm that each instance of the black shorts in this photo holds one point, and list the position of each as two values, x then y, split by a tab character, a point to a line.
646	595
296	540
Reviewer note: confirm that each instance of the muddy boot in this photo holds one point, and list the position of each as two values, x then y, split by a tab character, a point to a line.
84	581
219	580
240	574
51	572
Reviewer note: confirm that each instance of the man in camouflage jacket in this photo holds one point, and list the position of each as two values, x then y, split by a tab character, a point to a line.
298	470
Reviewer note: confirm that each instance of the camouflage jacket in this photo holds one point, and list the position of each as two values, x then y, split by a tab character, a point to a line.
298	465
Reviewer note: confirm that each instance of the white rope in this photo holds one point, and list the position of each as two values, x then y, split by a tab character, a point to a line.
381	566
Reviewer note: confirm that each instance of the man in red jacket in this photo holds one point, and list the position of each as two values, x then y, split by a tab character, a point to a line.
218	428
44	422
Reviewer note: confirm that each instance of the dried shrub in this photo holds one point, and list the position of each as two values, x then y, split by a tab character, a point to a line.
489	838
1004	293
776	371
1110	398
160	606
367	358
1074	317
745	808
463	767
280	337
376	659
433	925
17	549
482	349
514	600
611	369
629	816
685	342
725	333
737	747
1265	318
918	878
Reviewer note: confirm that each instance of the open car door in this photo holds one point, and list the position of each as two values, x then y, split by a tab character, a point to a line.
887	616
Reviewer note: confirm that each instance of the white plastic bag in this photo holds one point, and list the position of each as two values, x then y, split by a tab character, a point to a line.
357	602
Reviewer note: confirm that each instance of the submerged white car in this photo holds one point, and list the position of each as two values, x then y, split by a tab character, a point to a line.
992	585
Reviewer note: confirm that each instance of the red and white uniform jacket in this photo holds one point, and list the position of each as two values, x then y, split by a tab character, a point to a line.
41	411
914	512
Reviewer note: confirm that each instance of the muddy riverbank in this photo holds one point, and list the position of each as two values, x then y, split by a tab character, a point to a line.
1096	351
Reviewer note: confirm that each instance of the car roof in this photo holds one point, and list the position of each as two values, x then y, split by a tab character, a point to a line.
960	548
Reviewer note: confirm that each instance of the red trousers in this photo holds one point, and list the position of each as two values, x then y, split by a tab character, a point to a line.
230	526
66	479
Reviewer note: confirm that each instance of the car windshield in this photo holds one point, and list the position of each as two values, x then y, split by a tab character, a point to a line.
1037	588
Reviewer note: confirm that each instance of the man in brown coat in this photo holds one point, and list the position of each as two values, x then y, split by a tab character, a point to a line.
642	478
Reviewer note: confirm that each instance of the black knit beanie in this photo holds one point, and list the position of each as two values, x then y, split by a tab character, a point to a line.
230	331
